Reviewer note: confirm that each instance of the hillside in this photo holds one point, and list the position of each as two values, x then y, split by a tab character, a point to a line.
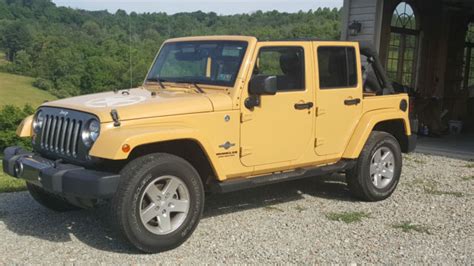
18	90
79	52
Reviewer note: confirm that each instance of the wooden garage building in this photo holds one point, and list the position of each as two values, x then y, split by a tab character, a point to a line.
424	44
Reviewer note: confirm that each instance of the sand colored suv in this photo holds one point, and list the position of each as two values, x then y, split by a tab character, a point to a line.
217	114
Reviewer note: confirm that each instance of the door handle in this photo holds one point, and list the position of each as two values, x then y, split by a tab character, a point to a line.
302	106
352	101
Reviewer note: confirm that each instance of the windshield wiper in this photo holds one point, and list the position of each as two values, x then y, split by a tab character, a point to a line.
194	83
197	87
160	81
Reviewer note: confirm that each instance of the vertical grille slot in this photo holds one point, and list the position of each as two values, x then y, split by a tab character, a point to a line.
63	135
47	133
58	134
69	137
52	133
43	131
74	146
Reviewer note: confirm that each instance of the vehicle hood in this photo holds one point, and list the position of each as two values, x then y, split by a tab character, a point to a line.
140	103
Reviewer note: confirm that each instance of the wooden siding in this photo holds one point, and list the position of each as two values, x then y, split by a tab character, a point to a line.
367	13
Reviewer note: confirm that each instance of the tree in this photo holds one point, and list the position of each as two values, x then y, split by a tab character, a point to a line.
16	37
22	63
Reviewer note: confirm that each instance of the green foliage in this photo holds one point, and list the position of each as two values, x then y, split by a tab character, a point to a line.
347	217
470	33
432	191
22	63
43	84
10	117
15	37
81	52
409	227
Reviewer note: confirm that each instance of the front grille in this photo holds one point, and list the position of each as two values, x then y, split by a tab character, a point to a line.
61	135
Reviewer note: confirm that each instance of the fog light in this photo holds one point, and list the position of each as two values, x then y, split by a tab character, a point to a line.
18	169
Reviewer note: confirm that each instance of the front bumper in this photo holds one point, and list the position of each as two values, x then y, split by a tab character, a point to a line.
65	179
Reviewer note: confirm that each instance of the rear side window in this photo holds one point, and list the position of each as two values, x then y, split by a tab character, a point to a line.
337	67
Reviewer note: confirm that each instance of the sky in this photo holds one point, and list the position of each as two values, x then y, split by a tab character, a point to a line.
222	7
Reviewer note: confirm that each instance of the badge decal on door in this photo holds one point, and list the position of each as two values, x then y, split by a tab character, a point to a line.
227	145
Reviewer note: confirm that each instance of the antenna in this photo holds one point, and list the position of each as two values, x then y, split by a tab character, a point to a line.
131	65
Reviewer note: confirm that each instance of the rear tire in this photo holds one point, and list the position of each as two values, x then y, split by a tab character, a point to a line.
378	169
159	202
50	200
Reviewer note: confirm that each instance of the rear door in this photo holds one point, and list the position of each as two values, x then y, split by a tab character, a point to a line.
338	96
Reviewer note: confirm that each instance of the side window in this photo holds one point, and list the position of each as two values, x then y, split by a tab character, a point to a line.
286	63
337	67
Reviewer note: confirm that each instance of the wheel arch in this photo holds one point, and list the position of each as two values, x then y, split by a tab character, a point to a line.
188	149
395	123
167	139
395	128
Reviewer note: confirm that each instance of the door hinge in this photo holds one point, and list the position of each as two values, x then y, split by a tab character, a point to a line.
245	117
244	151
318	142
320	111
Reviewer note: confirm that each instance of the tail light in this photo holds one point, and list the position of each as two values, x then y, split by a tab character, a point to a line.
411	106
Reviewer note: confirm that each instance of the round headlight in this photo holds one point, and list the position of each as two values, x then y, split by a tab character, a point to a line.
38	121
94	128
91	132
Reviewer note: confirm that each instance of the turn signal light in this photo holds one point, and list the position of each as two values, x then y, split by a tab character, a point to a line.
125	148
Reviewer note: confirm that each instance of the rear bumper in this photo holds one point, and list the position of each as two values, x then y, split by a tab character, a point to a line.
412	140
66	179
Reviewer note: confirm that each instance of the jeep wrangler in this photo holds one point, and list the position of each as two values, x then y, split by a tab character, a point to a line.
216	114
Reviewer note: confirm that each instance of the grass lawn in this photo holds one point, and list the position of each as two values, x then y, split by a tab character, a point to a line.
18	90
8	183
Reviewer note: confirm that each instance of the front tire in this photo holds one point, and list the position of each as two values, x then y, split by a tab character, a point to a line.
378	169
159	202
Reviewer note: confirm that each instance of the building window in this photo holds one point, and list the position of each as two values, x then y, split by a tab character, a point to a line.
468	77
402	48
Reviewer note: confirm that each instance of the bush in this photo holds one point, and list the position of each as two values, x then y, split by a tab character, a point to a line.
10	117
43	84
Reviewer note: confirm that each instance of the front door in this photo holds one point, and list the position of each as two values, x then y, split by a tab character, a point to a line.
338	98
280	129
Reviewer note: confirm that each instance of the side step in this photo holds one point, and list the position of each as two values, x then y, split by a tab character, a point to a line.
245	183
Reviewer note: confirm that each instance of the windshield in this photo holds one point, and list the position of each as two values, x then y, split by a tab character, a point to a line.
205	62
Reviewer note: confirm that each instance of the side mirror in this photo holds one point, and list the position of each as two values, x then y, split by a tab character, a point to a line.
260	85
263	85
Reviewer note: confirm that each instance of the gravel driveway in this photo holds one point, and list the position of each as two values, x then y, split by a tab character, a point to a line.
428	219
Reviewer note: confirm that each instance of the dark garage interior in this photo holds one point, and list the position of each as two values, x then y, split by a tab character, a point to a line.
428	47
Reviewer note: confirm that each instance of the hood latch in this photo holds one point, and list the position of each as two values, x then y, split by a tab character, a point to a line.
115	117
